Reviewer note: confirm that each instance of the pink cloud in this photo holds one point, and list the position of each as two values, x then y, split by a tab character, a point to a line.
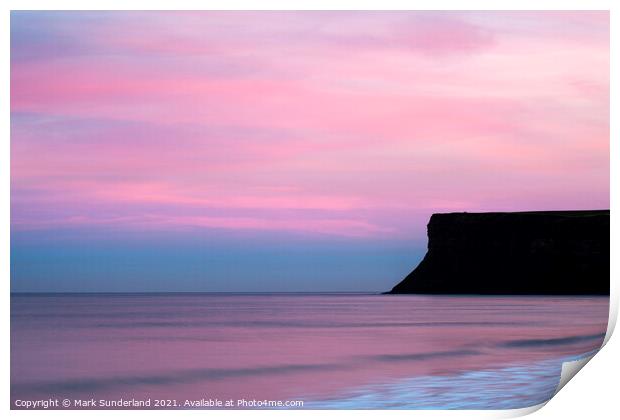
330	122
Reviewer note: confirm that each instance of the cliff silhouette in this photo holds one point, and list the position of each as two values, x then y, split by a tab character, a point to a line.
547	252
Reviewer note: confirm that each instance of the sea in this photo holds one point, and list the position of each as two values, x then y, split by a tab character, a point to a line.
296	351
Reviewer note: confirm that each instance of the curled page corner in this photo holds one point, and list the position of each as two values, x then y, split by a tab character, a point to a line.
570	369
520	412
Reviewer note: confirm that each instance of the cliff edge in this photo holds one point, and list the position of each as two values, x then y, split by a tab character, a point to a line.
550	252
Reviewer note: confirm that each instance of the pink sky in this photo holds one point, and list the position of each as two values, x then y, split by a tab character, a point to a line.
348	124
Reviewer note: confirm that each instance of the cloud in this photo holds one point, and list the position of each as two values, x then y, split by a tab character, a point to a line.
355	123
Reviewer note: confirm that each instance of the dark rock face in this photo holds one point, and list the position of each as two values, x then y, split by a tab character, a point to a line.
554	252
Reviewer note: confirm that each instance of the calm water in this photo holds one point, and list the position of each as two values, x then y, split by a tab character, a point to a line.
330	351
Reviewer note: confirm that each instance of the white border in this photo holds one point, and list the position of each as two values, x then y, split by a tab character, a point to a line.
593	393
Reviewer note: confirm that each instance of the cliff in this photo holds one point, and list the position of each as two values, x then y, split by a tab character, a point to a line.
553	252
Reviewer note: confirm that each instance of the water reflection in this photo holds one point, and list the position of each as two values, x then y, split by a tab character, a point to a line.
353	351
